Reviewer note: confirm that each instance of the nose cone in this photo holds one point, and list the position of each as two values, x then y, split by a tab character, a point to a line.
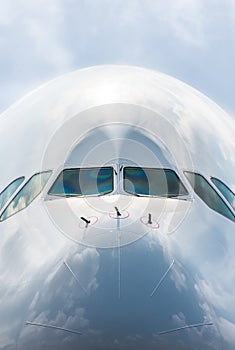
130	297
131	294
117	220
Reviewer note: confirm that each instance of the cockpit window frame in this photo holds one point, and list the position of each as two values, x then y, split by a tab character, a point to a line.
21	189
171	196
215	180
51	195
21	179
216	192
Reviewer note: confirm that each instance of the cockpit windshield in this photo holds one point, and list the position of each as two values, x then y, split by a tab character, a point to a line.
225	190
209	196
9	190
27	194
153	182
83	182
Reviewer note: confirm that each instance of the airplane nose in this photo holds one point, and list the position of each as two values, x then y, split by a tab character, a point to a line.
118	285
145	300
134	296
117	220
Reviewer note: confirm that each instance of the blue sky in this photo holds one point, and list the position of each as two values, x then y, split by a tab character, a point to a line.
192	40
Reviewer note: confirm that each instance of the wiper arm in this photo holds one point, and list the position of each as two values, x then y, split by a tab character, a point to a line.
64	195
177	196
136	194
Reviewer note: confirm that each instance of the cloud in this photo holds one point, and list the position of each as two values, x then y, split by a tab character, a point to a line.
40	40
184	19
26	23
179	319
53	300
31	39
227	330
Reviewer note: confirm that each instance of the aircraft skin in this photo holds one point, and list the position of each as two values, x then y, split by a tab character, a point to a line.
120	269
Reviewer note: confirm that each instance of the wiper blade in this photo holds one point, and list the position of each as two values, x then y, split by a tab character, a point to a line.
64	195
177	196
173	196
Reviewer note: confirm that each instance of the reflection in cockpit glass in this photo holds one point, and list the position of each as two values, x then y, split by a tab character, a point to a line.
225	190
27	194
207	193
83	182
153	182
9	190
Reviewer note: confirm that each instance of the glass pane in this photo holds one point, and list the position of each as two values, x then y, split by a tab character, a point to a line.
27	194
9	190
153	182
83	182
206	192
225	190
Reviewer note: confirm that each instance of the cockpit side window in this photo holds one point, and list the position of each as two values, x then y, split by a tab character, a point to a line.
225	190
27	194
9	190
83	182
207	193
153	182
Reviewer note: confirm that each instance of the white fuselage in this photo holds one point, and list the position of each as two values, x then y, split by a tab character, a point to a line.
122	269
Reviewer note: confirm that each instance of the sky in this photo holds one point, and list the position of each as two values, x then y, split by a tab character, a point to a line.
192	40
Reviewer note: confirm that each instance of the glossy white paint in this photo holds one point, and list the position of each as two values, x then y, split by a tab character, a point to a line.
119	283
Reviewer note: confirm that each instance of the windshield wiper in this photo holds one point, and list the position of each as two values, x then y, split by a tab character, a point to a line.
177	196
64	195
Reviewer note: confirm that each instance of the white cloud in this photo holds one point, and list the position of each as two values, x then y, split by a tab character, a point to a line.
38	24
179	319
183	18
31	38
188	38
227	330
